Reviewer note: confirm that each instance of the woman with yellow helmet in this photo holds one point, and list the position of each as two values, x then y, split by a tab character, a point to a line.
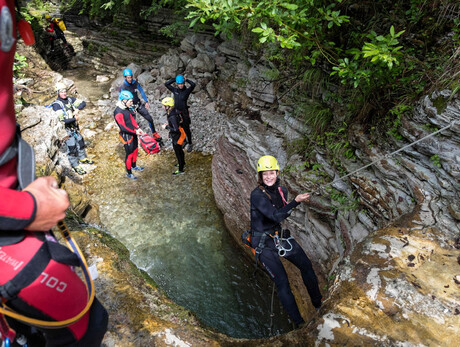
269	207
176	132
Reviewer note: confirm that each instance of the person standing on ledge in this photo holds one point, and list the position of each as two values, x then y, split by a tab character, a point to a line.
124	116
176	133
269	207
180	95
133	86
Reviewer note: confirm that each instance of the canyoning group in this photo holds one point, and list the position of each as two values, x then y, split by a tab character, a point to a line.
43	300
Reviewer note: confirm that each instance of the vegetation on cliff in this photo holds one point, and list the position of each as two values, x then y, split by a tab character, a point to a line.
336	62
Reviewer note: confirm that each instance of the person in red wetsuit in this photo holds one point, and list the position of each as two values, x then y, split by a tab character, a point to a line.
27	212
55	31
129	129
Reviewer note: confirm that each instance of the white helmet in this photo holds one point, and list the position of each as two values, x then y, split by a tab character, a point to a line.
60	86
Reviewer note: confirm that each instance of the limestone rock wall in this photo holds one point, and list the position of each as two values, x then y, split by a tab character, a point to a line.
420	183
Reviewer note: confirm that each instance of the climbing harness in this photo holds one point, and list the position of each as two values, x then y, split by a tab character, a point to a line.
123	141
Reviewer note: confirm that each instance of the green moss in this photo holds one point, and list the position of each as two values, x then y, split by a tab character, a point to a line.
440	103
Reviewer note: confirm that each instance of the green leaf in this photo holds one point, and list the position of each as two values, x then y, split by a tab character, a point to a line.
257	30
193	22
292	7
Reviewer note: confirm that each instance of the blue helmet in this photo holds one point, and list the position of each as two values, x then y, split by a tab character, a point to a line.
125	95
127	72
180	79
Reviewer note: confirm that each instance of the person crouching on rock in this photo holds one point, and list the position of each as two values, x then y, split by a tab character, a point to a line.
129	129
269	207
67	109
176	132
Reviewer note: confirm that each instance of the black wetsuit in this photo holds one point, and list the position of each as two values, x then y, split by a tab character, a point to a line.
180	103
266	216
174	122
133	88
128	125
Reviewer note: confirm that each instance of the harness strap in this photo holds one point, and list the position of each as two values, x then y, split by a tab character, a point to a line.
123	141
26	159
10	152
5	331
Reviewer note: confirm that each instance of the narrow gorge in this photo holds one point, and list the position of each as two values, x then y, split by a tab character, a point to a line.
385	241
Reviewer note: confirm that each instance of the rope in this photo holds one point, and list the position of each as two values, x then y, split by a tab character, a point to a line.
352	173
386	156
270	328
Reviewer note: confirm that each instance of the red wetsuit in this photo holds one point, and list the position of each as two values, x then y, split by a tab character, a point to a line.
128	126
49	289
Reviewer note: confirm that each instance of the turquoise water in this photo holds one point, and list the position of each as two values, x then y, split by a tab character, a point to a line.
174	231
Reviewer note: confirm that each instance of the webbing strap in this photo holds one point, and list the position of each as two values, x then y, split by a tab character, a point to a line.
26	159
123	141
72	245
5	331
10	152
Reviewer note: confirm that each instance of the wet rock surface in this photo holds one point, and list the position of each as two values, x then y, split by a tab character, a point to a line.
389	286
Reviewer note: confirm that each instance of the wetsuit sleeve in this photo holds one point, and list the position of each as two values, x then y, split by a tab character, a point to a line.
142	92
78	104
192	84
17	209
189	90
169	83
123	124
173	125
261	202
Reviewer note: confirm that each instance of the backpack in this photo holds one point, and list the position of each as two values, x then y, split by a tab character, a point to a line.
149	144
60	23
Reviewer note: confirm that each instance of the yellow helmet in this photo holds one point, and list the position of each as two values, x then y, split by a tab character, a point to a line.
168	101
47	16
60	86
267	163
